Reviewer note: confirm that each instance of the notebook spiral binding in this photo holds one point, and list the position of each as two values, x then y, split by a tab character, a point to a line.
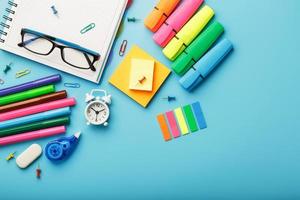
9	11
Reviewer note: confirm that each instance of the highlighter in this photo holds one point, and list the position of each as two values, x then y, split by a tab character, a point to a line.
35	126
206	65
35	101
160	13
176	21
188	33
26	94
197	48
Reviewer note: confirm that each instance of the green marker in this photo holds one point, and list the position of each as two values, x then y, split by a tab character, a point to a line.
28	94
35	126
197	49
190	118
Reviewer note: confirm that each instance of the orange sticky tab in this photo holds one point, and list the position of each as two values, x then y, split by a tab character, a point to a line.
160	13
164	127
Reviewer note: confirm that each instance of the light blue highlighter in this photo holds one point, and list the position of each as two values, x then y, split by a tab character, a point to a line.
206	64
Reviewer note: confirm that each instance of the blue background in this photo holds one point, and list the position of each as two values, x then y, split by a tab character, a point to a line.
250	149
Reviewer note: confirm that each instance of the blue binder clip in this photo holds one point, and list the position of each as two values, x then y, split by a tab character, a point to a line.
206	65
61	148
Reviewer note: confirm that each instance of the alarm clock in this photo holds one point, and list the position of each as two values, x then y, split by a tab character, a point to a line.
97	109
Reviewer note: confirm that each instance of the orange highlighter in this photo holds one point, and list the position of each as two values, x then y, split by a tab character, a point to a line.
160	13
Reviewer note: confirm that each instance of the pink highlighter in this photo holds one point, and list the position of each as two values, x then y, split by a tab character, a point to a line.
176	21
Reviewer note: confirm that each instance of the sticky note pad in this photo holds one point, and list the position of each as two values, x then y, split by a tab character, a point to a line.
141	74
181	121
120	78
164	127
173	125
190	118
199	115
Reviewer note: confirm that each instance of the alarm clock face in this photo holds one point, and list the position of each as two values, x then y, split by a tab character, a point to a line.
97	112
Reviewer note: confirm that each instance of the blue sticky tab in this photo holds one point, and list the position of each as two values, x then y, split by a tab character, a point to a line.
199	115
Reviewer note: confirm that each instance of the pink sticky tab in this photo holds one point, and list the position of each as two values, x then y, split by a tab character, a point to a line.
173	124
176	21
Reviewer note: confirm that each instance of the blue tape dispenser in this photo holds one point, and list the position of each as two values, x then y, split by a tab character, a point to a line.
61	148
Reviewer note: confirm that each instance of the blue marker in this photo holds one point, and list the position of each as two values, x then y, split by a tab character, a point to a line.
61	148
206	65
36	117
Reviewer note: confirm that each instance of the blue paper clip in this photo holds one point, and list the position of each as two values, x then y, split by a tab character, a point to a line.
72	85
88	28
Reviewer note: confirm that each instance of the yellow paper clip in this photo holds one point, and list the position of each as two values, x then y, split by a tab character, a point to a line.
72	85
10	156
22	73
88	28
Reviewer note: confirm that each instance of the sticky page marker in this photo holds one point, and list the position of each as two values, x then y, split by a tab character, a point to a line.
190	118
173	124
164	127
181	121
199	115
29	155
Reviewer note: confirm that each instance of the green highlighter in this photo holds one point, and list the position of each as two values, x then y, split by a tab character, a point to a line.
35	126
28	94
198	48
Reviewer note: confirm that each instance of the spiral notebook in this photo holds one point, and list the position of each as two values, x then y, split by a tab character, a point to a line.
71	17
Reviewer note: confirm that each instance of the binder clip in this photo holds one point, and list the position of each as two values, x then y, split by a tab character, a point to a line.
22	73
88	28
123	48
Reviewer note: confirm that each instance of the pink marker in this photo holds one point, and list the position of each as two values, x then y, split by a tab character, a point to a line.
37	109
176	21
32	135
173	124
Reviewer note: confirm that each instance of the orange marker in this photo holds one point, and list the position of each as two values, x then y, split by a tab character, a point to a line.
164	127
160	13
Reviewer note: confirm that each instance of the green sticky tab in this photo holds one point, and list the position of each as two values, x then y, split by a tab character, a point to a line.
190	118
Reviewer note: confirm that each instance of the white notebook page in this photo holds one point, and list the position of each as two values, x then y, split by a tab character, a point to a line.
72	17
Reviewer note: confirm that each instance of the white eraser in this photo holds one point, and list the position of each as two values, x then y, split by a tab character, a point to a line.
29	155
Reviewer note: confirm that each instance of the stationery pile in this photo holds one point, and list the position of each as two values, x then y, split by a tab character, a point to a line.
181	121
188	39
33	110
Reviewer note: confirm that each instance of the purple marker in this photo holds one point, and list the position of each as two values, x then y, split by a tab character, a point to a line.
30	85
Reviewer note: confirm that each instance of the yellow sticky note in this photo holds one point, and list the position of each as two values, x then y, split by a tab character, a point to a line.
181	121
141	74
121	76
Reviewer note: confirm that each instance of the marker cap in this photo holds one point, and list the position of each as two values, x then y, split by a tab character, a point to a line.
206	64
176	21
197	48
160	13
188	33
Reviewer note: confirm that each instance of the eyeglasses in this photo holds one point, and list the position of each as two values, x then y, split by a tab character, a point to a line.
72	54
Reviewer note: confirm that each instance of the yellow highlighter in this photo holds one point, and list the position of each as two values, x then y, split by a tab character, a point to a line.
188	33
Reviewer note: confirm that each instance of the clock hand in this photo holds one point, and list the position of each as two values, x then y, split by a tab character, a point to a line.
94	110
